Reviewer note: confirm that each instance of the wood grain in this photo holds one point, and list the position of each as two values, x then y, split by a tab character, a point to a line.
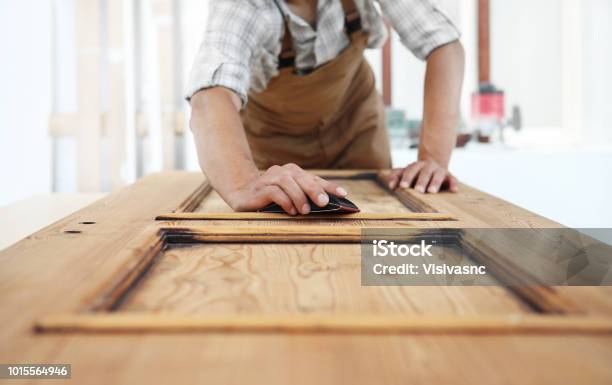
480	325
51	271
367	194
409	197
141	255
237	216
272	278
195	199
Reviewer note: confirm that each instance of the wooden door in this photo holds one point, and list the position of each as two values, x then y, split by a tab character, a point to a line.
164	267
367	189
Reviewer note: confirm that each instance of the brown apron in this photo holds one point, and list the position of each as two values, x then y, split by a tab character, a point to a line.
332	117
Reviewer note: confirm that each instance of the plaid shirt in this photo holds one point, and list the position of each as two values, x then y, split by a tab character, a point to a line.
243	38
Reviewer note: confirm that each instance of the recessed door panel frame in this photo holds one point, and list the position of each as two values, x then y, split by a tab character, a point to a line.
553	313
420	210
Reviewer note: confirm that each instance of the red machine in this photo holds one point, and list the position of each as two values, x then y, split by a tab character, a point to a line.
488	102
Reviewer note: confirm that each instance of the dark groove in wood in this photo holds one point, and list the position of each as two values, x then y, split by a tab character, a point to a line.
540	298
407	198
128	277
194	200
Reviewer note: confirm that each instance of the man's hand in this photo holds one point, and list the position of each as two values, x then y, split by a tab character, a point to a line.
225	158
443	80
288	186
424	176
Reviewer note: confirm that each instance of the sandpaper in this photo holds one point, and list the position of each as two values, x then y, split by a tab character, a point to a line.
336	205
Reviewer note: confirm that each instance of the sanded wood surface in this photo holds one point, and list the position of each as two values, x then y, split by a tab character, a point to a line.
55	270
296	279
354	218
366	194
326	324
367	189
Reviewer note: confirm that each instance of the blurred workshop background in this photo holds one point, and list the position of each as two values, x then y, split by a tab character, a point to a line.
91	98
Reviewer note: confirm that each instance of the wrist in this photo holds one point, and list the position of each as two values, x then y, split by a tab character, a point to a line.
233	179
442	161
241	178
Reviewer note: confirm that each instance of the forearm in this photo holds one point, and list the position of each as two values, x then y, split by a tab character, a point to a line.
223	150
441	114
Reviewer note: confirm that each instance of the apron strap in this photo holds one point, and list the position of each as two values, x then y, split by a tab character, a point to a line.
286	58
352	19
352	24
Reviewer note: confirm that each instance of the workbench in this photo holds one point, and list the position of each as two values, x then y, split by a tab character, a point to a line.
161	283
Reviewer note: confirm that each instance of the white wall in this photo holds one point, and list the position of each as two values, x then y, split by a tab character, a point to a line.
529	60
597	18
526	57
194	17
25	51
409	72
551	57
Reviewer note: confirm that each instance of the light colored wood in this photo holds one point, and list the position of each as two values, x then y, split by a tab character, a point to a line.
195	199
212	202
476	209
138	256
49	272
345	173
367	194
331	359
293	279
81	255
235	278
263	234
20	219
365	189
283	217
470	207
407	196
479	325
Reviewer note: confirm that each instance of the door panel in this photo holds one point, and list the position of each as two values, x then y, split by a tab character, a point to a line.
365	193
78	292
275	278
368	190
303	279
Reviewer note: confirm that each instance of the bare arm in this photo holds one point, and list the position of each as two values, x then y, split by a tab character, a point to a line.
443	81
223	150
225	158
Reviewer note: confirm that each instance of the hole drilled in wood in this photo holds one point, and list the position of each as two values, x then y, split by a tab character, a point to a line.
72	231
87	223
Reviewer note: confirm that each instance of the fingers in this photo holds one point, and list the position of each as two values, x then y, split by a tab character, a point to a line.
308	184
290	187
437	179
275	194
313	189
394	179
453	185
425	176
299	185
331	187
410	173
